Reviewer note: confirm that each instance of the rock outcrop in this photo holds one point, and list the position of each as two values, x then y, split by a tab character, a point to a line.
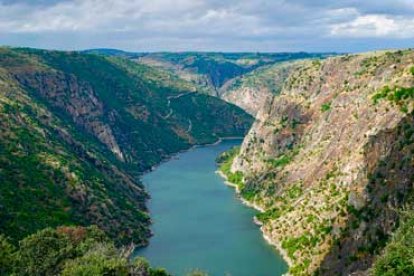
252	90
330	160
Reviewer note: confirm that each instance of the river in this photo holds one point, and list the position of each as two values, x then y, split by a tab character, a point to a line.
198	222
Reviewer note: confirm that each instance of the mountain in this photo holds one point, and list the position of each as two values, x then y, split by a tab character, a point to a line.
211	71
329	161
77	130
243	79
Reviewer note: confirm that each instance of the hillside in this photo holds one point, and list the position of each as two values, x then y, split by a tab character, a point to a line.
211	71
243	79
76	132
330	163
70	251
252	90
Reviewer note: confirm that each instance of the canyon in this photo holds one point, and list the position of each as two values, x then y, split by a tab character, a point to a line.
327	156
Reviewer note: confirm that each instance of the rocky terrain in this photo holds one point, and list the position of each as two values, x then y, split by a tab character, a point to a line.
77	130
252	90
330	162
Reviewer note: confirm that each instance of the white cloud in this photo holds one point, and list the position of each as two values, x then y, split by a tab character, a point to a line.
375	26
171	24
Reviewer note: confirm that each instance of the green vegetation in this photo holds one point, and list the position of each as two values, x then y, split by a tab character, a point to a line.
412	70
270	214
291	245
70	251
398	255
218	68
157	77
225	160
326	107
270	77
281	161
400	96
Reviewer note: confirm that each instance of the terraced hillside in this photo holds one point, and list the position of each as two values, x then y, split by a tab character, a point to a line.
76	132
330	163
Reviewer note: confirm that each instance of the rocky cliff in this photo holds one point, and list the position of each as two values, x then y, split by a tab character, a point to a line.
330	160
252	90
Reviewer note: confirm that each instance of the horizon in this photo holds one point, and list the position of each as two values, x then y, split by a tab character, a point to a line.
205	51
346	26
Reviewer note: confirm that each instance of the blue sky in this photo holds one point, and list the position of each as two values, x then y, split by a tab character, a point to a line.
209	25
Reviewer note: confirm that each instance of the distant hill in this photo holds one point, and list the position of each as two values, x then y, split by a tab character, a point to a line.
208	71
112	53
212	70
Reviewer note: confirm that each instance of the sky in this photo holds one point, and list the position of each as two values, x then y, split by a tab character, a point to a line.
209	25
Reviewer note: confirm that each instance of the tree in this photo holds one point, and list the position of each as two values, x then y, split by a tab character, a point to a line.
7	256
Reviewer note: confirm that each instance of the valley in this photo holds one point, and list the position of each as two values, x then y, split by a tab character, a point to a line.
78	130
88	156
244	79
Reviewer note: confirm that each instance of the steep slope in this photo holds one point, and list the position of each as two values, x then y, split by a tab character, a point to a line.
252	90
211	71
330	160
76	132
244	79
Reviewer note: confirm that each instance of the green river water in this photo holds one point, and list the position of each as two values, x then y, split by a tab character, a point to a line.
198	222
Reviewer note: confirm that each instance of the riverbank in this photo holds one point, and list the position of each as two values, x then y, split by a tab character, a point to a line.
192	147
266	236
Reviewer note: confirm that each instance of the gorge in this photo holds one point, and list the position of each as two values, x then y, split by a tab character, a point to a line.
327	159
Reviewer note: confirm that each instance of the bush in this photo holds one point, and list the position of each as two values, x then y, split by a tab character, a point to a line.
282	161
326	107
7	256
70	251
45	252
398	255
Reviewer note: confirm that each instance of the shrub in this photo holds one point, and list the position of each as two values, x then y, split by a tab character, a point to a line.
398	256
70	251
281	161
7	256
326	107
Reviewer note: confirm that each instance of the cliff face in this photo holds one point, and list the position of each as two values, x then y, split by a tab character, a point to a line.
331	160
252	90
77	130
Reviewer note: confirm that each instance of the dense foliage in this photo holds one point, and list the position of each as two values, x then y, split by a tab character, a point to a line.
70	251
399	96
398	256
225	160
